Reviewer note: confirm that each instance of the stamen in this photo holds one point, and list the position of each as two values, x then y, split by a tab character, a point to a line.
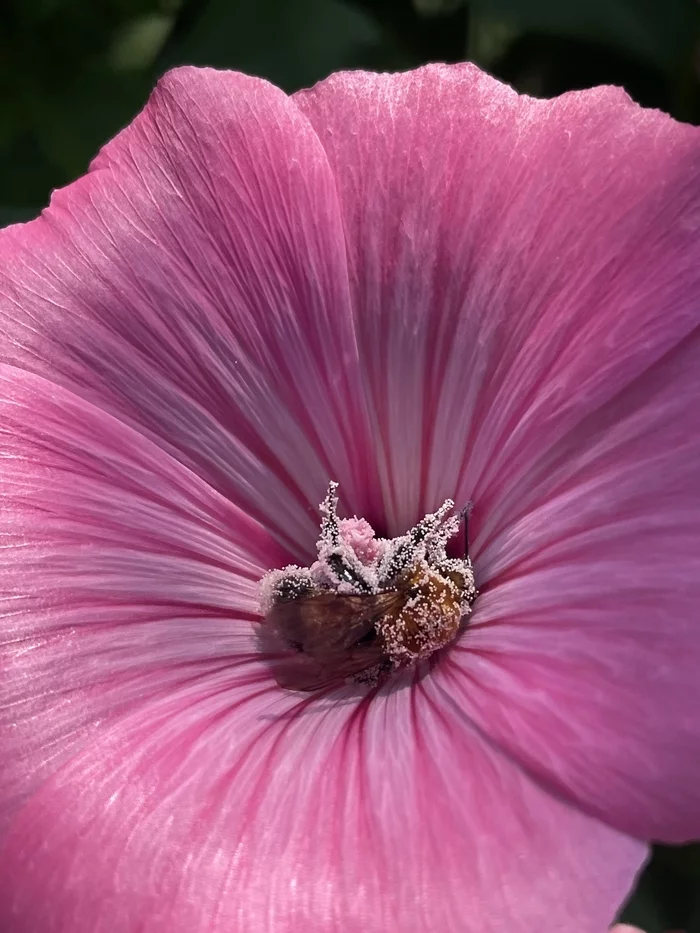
368	605
330	526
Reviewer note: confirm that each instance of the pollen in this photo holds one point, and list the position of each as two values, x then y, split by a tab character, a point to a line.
368	605
426	620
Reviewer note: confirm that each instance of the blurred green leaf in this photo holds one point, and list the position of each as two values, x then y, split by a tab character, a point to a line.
659	31
642	911
139	41
291	44
71	75
667	894
490	37
17	215
436	7
72	124
410	38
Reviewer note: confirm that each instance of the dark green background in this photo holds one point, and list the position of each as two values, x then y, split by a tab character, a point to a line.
72	72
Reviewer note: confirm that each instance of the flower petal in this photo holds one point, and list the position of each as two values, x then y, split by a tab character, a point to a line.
194	283
122	576
584	653
155	777
216	809
514	263
525	274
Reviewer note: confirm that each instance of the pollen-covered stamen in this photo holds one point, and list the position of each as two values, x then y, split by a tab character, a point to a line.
368	604
436	545
330	525
404	550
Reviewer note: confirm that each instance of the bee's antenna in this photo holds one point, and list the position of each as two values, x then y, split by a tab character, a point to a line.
464	514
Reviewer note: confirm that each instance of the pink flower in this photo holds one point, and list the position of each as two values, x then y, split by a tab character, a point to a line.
422	286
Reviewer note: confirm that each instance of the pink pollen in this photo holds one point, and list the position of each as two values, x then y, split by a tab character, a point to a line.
358	534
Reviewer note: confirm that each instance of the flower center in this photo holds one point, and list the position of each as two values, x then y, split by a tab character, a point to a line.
367	605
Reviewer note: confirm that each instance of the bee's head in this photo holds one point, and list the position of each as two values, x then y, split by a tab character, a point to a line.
347	569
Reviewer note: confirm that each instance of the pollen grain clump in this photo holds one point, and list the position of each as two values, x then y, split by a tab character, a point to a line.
426	621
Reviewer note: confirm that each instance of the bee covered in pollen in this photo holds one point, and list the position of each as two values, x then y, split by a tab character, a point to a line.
367	605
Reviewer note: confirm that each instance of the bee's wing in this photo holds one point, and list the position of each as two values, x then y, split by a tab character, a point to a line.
306	675
304	672
328	626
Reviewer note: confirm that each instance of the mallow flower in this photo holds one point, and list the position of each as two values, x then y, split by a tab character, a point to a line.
419	287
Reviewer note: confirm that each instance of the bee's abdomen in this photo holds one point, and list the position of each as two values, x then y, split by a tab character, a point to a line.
427	620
